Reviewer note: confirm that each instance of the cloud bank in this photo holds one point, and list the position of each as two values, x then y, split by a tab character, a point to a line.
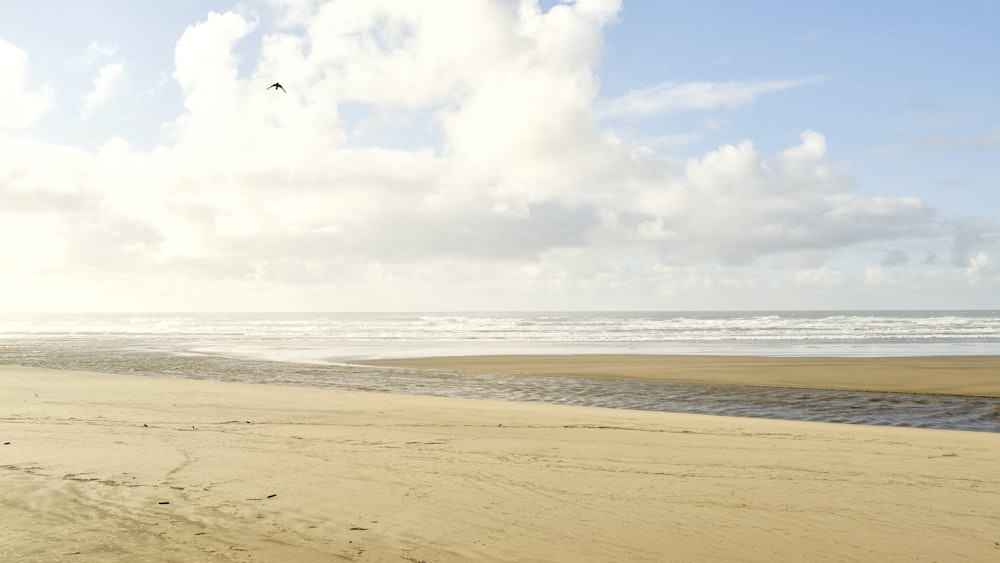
22	104
506	190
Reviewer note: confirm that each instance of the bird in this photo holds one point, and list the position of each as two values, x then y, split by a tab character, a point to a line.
277	86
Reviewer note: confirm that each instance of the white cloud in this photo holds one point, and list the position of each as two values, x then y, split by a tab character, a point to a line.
108	84
206	66
675	140
823	278
100	50
514	196
979	268
21	104
877	275
735	206
672	97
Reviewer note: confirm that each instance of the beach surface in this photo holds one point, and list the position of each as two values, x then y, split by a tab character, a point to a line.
945	375
98	467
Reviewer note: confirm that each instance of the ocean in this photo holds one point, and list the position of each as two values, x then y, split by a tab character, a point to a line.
314	349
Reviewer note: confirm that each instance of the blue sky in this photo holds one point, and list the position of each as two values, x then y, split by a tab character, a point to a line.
495	154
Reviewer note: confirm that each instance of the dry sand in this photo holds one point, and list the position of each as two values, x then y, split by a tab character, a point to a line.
949	375
100	467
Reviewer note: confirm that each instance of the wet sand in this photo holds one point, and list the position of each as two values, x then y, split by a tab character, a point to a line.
945	375
97	467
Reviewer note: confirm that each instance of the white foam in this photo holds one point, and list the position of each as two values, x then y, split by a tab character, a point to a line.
339	336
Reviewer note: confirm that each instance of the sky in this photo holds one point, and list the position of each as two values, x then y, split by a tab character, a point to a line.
499	155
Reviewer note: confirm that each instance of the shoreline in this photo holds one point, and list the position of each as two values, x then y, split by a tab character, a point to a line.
974	376
101	467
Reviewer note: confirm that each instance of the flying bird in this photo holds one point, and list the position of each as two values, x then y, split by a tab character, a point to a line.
277	86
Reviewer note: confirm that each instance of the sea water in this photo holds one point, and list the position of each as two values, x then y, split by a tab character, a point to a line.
314	349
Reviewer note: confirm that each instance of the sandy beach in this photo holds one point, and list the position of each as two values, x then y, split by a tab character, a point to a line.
97	467
948	375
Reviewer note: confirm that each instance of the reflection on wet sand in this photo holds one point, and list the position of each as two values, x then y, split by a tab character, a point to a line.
855	407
